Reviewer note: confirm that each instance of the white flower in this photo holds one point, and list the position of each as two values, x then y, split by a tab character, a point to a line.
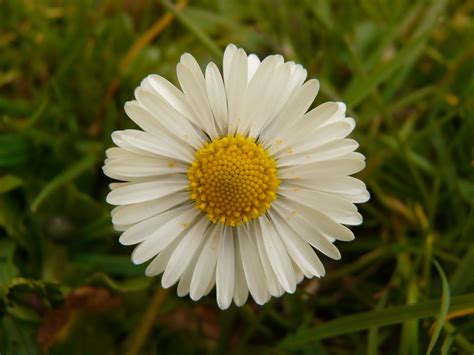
230	182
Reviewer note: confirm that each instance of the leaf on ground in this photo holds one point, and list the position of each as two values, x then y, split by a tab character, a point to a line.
56	322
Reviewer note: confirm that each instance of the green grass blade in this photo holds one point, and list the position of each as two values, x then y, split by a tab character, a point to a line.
445	298
68	175
357	92
366	320
463	276
409	339
362	87
446	345
373	333
197	31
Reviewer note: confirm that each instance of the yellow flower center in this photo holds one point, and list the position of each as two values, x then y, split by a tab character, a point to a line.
233	180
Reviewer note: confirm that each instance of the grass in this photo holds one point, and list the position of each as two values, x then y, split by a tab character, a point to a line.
404	69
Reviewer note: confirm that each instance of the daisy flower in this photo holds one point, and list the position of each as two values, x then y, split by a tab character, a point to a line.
231	182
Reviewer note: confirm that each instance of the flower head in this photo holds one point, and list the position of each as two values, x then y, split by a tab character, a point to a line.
231	181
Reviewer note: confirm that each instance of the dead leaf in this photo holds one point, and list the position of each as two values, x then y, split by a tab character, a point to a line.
57	322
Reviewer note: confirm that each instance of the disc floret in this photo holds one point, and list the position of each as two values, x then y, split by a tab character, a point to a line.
233	180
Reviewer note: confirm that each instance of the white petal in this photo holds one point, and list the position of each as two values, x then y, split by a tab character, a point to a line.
342	186
257	88
158	264
143	118
122	227
146	191
116	185
278	256
185	279
324	224
142	230
130	214
293	110
300	73
150	123
253	64
185	252
351	121
334	167
305	230
227	62
312	138
271	100
217	97
211	284
306	125
355	198
172	121
164	234
206	263
241	291
120	153
196	95
116	176
272	283
151	145
300	251
171	94
284	87
331	150
143	169
225	271
128	147
236	88
337	208
326	113
145	166
299	274
252	266
190	62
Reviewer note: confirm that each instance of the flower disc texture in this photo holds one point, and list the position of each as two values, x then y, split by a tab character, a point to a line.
231	182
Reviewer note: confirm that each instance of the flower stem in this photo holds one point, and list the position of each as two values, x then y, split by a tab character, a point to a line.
141	333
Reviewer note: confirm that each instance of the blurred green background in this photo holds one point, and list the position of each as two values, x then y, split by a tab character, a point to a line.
404	68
